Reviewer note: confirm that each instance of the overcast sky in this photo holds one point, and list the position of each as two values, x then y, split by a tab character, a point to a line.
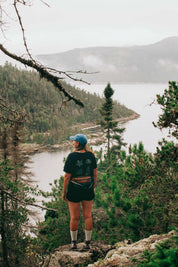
69	24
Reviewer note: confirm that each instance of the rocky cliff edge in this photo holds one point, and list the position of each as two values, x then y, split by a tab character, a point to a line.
102	255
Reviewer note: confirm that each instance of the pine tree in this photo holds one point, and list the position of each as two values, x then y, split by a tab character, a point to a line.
15	197
3	177
109	126
169	106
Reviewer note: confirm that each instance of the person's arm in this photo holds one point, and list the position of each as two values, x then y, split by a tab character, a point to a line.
66	182
95	177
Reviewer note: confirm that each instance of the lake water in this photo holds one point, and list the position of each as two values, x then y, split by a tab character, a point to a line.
48	166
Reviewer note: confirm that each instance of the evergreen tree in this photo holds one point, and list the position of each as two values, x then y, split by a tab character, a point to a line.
165	254
169	105
166	159
15	197
3	177
109	126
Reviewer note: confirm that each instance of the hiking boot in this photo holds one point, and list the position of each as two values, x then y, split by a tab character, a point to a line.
87	245
74	245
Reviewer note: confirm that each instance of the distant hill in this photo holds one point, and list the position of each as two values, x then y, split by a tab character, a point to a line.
156	62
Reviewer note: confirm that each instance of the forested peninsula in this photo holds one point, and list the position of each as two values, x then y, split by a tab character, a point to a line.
50	119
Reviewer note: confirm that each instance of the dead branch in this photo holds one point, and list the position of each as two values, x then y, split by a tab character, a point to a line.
48	73
45	3
69	74
21	26
26	203
44	73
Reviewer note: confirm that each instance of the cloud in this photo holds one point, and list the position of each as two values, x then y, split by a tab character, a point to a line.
168	64
93	61
96	63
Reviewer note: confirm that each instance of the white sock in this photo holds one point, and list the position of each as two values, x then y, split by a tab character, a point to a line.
73	235
88	234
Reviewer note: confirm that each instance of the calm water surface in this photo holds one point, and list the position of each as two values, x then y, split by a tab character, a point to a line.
48	166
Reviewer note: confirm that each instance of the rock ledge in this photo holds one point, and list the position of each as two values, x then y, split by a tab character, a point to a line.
124	253
65	257
102	255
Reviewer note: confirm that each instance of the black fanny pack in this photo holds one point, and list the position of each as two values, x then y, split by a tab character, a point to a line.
82	186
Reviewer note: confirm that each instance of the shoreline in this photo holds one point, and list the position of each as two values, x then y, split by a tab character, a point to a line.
93	130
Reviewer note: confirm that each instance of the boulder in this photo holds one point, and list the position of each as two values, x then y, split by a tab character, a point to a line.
65	257
124	253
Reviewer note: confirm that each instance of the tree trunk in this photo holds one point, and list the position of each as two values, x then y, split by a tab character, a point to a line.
108	146
3	233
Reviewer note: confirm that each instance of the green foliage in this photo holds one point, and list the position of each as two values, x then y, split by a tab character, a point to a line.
131	202
169	105
166	156
137	197
16	194
139	166
136	194
110	127
166	255
54	230
50	117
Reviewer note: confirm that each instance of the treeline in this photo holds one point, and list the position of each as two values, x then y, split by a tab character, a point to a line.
50	118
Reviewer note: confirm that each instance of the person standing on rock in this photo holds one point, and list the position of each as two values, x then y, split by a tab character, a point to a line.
79	182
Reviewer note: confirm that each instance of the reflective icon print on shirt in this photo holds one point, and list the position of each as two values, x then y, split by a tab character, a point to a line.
88	167
88	161
79	163
79	169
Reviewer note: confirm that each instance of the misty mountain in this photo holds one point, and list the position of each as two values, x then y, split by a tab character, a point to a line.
156	62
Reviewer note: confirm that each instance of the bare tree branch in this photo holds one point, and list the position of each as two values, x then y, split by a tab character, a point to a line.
21	26
26	203
69	74
44	73
45	3
48	73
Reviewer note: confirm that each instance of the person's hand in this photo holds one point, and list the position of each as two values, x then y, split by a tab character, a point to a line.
64	196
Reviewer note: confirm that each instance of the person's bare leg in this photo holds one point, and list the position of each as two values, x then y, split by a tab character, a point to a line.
74	209
87	213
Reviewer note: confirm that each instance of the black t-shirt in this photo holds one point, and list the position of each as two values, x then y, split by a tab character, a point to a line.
80	164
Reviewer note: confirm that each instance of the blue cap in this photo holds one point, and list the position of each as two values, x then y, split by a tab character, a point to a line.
81	138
